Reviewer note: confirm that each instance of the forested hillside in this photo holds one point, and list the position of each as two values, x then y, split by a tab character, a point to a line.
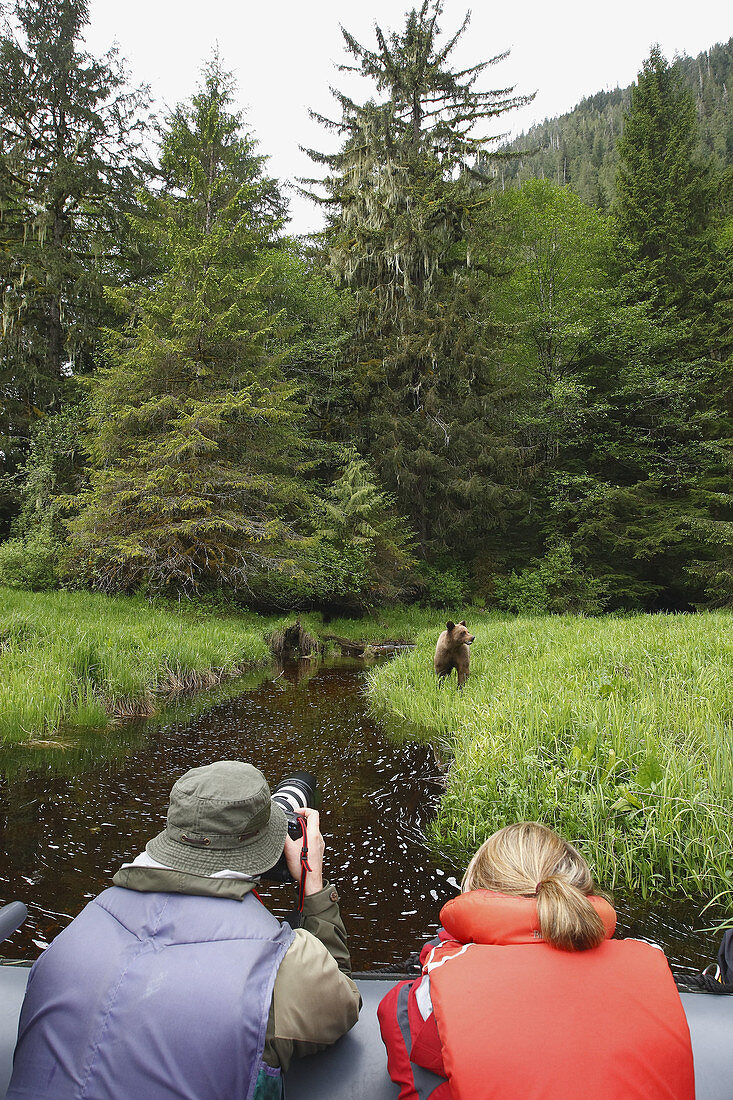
580	148
457	391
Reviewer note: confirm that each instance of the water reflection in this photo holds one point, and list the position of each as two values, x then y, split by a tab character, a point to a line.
70	819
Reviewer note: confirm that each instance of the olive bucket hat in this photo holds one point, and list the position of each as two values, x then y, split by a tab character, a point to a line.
221	817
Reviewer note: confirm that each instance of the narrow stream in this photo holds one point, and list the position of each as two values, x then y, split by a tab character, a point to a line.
69	819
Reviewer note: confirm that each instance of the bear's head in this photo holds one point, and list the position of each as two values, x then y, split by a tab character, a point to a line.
459	633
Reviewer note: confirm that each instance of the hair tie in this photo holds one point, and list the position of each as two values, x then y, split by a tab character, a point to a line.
537	887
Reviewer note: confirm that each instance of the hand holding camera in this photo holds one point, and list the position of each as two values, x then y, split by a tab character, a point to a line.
316	848
298	795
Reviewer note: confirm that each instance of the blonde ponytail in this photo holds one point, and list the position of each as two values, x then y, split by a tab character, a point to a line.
529	859
567	919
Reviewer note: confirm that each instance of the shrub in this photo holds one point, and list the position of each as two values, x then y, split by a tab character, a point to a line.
29	563
443	587
554	584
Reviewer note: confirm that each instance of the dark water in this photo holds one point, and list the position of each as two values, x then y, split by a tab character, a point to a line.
68	819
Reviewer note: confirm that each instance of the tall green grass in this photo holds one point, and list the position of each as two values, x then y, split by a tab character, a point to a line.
616	732
79	658
394	624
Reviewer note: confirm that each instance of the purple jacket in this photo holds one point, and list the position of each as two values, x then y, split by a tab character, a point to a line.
151	997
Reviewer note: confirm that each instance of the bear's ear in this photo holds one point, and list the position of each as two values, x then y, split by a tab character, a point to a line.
450	624
462	622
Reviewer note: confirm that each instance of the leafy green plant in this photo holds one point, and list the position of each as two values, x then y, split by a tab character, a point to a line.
363	546
554	583
29	562
448	586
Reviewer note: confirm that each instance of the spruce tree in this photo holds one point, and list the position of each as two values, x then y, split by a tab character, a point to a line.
363	552
664	190
193	432
401	192
69	167
670	355
554	296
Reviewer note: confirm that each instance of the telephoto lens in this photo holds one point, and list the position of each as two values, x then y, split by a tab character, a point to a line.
293	793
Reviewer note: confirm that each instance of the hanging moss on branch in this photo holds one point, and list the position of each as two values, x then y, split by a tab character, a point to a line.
402	192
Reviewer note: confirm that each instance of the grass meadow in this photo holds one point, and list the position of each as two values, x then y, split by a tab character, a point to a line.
79	659
396	624
617	732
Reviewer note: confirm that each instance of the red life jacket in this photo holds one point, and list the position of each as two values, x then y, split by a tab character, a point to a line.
518	1018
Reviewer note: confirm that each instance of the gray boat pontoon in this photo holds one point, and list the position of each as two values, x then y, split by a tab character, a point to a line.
355	1068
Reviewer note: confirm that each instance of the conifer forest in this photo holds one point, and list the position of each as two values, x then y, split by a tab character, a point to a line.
500	375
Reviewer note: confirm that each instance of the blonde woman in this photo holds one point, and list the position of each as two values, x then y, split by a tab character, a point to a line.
524	994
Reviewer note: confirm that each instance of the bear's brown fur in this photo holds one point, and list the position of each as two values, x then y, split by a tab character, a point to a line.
451	652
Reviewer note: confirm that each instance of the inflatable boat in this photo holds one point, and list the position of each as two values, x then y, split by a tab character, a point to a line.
355	1067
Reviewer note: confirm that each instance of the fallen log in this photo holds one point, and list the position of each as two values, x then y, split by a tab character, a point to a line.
350	647
294	641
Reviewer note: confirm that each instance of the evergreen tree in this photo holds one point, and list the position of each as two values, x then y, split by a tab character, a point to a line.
193	432
68	168
678	268
589	133
207	157
622	413
664	192
402	191
310	320
49	483
554	296
363	552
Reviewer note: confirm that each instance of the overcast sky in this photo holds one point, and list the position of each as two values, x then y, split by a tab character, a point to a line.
283	54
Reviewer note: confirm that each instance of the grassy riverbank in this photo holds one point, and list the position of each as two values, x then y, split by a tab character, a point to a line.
399	625
617	732
78	658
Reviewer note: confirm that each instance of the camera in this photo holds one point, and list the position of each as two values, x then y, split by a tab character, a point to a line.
293	793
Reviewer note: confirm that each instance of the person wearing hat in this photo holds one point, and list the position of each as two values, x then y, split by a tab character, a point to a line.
177	981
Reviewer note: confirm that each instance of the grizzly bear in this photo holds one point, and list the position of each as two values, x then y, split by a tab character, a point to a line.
451	652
